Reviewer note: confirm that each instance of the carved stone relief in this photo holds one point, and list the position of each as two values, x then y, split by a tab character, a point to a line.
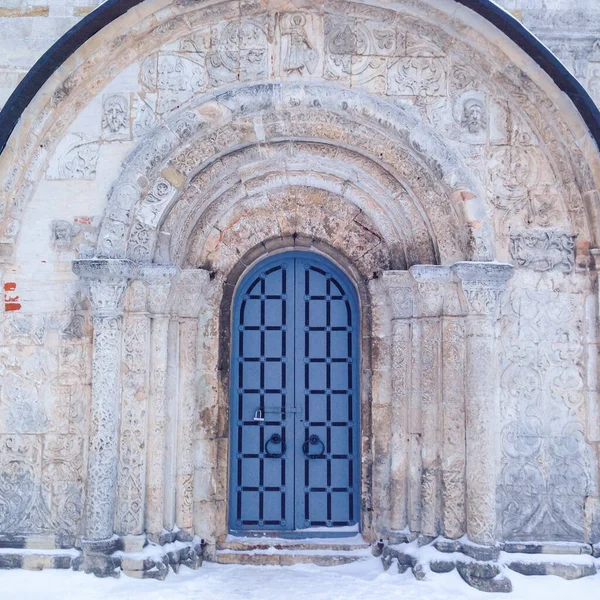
418	76
75	158
115	117
239	51
545	463
543	250
298	52
390	139
63	233
177	78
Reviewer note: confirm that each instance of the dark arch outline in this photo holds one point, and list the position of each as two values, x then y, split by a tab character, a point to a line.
53	58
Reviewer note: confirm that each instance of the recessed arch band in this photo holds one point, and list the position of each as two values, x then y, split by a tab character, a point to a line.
111	10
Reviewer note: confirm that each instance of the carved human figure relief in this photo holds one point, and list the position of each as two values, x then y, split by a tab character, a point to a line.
299	56
115	117
63	233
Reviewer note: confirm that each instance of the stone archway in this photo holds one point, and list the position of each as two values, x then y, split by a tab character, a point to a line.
415	167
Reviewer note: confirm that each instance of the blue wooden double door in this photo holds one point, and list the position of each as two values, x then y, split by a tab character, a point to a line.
295	416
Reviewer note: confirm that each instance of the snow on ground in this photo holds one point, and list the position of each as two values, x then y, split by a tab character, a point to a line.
364	580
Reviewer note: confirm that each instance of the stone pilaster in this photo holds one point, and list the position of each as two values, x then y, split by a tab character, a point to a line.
381	407
483	285
190	300
106	282
434	285
157	280
400	291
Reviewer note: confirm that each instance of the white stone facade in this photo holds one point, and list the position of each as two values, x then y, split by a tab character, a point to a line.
568	27
413	145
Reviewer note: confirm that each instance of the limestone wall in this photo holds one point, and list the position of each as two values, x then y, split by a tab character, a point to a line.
568	27
185	142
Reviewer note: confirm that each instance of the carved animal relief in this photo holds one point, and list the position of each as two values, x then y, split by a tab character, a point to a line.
543	250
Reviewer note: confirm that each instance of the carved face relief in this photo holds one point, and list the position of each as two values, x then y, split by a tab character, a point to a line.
115	114
63	233
473	116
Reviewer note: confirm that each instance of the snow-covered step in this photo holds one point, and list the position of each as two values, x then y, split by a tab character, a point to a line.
324	552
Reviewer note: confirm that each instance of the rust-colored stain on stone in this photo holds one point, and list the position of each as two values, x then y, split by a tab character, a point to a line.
82	11
83	220
30	11
11	302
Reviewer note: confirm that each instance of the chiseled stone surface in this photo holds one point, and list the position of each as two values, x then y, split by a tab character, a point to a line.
421	152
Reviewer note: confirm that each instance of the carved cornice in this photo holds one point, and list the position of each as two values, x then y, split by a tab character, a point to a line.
106	281
422	291
483	284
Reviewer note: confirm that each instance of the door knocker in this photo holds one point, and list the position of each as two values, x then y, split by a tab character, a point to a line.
314	440
274	439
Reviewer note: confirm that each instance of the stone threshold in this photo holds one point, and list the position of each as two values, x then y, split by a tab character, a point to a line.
324	552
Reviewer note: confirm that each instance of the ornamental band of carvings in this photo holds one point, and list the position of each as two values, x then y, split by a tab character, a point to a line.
543	250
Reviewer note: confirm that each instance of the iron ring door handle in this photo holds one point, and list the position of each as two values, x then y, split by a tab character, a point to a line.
314	440
274	439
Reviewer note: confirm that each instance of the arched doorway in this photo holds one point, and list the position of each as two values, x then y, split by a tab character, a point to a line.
295	416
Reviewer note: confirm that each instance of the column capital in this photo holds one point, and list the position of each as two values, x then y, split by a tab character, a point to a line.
158	280
436	287
483	284
106	280
400	288
191	289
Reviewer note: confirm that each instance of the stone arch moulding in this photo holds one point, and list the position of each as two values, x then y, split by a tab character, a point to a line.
314	124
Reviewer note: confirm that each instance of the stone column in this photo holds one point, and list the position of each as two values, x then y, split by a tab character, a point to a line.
432	283
400	291
158	280
106	281
190	299
381	421
482	286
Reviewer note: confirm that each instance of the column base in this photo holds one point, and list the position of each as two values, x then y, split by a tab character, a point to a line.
97	559
469	548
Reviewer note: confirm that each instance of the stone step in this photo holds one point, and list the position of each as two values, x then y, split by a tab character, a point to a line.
36	560
324	552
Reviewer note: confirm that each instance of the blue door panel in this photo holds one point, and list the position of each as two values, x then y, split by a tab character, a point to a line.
294	397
